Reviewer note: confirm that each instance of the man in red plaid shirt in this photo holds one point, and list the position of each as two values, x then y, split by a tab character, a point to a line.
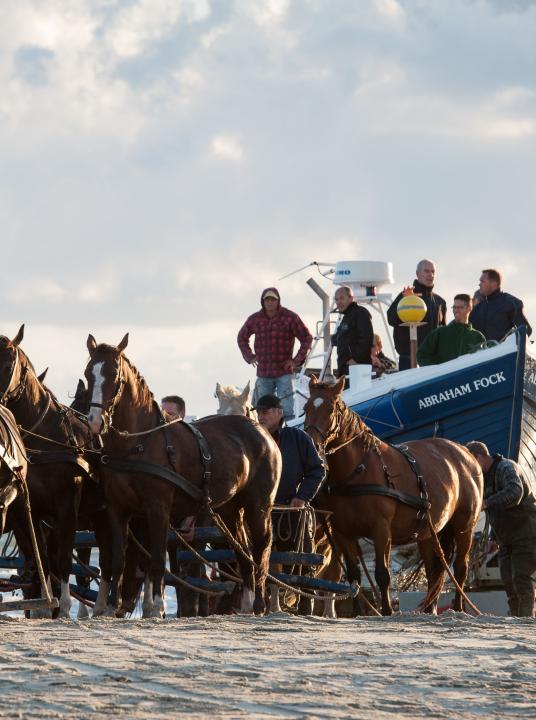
275	329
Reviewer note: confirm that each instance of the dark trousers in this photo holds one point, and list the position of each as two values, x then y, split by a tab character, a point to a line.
293	532
517	564
404	362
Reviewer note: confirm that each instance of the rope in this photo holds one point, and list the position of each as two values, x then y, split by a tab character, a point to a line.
127	434
239	548
212	565
176	578
28	510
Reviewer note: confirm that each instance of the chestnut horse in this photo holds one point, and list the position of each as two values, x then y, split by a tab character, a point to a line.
57	467
378	491
160	471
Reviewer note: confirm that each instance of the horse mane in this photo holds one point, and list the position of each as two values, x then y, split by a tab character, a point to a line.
142	393
231	391
352	425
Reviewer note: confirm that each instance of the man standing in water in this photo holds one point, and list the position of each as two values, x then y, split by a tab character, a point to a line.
511	508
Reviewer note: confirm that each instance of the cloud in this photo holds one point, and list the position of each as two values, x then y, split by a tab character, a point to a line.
161	162
227	147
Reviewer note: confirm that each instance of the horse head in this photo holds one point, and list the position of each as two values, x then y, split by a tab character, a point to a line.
105	376
81	399
322	411
12	369
233	401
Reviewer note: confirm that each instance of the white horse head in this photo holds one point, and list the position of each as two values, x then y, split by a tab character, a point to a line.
232	400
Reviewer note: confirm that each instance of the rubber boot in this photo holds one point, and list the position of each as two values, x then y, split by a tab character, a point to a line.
526	606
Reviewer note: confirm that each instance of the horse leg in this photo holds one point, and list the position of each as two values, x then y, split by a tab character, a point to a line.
158	531
332	572
119	527
434	575
259	524
382	549
68	513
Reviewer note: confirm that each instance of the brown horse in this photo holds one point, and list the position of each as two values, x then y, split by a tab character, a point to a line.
57	469
376	491
157	471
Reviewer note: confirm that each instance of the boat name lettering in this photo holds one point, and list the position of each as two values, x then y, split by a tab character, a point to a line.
460	390
532	378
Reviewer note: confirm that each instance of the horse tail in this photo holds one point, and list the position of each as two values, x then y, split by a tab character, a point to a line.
436	589
444	548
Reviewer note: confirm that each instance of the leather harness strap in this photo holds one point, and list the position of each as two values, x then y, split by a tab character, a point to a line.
60	456
198	494
422	504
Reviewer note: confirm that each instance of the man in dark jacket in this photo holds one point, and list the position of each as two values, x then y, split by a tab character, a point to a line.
354	336
275	328
511	508
302	475
436	312
498	311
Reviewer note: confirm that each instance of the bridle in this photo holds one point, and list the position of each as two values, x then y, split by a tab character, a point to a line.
107	414
333	431
12	394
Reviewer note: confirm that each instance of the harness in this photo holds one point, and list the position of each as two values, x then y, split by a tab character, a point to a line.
347	489
198	494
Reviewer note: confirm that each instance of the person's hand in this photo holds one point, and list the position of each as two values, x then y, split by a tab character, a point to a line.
409	291
352	362
376	361
297	502
187	529
253	361
288	365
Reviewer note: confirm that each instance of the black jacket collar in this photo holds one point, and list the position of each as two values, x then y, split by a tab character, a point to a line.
422	289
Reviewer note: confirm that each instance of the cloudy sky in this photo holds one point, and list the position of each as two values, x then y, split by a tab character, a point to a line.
161	161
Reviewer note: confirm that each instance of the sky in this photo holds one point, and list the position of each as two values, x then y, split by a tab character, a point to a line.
162	161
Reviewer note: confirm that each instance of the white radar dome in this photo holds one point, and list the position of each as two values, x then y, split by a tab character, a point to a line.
363	275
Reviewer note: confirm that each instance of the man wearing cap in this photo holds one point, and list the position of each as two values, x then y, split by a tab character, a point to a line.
511	508
275	328
302	475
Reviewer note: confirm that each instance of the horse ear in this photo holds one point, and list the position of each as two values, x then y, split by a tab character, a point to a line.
313	381
124	342
218	392
91	344
81	387
245	392
18	337
339	385
43	375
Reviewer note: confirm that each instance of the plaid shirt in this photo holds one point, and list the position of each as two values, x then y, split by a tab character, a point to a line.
274	341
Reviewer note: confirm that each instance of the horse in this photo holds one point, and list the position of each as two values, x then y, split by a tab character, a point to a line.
377	491
166	471
13	464
233	401
57	438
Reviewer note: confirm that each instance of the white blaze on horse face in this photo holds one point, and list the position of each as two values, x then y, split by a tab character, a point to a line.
95	413
317	402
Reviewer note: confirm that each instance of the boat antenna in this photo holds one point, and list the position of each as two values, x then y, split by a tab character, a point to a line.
318	266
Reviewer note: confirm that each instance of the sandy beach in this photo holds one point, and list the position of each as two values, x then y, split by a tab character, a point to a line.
406	666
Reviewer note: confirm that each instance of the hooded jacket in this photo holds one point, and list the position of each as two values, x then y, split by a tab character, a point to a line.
436	314
498	313
510	503
274	339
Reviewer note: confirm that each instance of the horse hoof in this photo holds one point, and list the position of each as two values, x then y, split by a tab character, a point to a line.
64	613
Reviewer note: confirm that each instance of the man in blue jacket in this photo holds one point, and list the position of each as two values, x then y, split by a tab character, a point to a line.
302	475
498	311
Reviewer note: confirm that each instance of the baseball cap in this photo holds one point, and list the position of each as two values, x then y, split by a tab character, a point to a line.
267	402
270	294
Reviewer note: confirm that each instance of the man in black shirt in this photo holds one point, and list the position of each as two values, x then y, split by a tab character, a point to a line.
436	312
354	336
498	311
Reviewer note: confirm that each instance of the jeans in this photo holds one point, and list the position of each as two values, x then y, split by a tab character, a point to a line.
280	386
